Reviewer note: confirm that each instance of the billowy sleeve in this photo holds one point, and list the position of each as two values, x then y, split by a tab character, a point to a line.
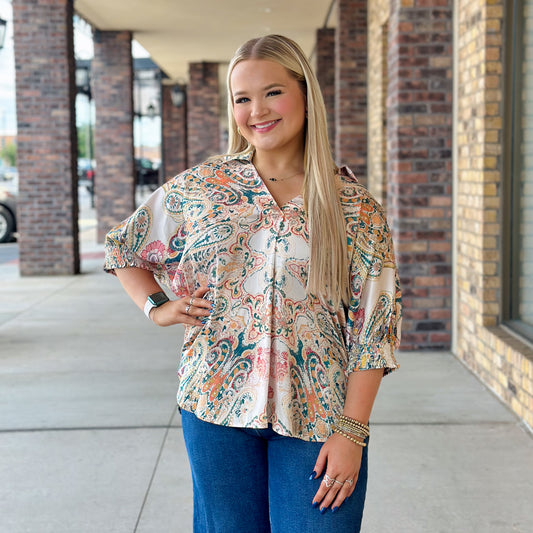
153	237
373	319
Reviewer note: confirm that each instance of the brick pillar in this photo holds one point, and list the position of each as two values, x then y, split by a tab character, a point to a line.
351	86
46	140
203	112
174	138
419	169
112	86
325	71
378	24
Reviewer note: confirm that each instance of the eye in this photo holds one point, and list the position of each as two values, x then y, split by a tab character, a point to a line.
241	100
274	92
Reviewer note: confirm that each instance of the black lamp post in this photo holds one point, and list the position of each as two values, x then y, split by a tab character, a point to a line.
3	27
83	86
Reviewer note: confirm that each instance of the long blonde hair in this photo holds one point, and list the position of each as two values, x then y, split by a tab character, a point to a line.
328	264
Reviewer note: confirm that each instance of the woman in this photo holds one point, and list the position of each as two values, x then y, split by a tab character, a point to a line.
284	278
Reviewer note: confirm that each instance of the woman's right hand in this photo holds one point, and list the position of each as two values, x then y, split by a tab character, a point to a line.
191	309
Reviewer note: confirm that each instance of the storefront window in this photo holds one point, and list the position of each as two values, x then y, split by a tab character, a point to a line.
520	309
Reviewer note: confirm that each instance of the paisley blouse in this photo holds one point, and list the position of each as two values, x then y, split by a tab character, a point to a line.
270	353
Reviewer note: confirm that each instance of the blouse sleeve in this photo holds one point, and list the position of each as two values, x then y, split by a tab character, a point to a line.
373	325
152	238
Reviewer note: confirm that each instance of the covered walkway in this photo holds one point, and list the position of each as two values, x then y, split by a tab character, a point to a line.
91	441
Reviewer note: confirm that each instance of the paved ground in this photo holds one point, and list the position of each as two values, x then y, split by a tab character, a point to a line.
90	441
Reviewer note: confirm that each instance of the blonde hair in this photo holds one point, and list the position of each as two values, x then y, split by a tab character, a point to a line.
328	263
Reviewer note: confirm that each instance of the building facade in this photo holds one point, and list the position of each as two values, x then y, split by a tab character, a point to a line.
430	103
449	129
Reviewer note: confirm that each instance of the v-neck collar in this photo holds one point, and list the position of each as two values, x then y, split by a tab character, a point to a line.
246	159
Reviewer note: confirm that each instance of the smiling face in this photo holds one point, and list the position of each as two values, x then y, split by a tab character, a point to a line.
268	106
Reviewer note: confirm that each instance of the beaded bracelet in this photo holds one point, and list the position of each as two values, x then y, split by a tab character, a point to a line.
351	422
340	432
355	431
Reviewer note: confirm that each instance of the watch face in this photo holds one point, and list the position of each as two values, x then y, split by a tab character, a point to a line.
159	298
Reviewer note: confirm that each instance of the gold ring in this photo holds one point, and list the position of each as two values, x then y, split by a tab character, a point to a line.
191	300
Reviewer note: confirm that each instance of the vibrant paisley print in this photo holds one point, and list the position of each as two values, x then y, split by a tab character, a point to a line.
269	353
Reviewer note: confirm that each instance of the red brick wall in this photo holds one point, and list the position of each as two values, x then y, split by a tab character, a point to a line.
419	168
203	112
46	142
112	83
325	71
174	139
351	86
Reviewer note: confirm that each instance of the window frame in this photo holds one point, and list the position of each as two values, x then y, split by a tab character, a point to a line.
514	56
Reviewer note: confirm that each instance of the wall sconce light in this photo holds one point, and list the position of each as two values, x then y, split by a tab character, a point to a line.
151	111
177	95
83	80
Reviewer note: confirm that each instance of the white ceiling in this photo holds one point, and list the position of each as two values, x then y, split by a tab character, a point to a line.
176	32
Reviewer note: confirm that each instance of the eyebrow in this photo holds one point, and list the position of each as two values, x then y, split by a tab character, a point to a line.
266	88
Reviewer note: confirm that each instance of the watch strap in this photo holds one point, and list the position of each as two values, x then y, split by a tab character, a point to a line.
157	299
148	306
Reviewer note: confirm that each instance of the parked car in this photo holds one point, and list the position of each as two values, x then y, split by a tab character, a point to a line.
8	210
8	173
147	172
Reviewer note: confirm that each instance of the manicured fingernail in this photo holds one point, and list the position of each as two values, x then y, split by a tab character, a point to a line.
323	510
334	509
315	505
204	321
312	476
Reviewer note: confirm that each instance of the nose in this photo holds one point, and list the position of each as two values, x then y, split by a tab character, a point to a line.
258	108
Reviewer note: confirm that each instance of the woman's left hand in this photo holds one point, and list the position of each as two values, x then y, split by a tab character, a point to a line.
339	460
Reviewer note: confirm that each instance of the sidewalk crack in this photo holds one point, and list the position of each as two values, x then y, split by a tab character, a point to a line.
156	465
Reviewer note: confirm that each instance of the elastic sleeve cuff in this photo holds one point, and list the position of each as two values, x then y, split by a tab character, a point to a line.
117	255
373	356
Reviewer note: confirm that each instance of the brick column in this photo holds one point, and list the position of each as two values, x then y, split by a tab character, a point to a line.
174	138
351	86
378	30
419	169
46	140
203	112
112	86
325	71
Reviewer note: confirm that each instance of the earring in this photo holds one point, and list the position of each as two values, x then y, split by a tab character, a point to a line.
239	131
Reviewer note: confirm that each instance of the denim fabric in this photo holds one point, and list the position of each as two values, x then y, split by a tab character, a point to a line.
256	481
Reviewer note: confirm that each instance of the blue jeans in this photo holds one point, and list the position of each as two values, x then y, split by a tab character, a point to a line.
256	481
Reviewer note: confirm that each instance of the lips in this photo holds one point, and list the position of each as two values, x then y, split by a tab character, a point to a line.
265	126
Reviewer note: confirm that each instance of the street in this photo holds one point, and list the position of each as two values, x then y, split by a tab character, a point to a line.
86	223
9	251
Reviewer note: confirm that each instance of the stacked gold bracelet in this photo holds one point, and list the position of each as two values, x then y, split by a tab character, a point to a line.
353	426
350	428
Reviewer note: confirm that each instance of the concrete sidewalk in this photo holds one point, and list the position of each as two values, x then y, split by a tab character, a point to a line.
90	440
